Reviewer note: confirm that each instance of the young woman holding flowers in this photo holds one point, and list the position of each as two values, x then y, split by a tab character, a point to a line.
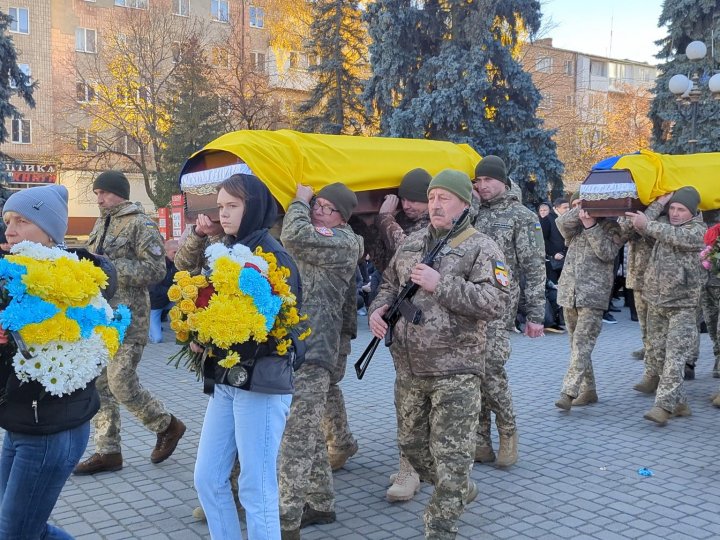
241	419
47	423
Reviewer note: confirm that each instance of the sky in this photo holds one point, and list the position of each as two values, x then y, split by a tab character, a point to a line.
623	29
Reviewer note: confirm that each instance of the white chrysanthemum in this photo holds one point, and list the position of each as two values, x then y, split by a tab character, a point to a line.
100	303
40	252
238	253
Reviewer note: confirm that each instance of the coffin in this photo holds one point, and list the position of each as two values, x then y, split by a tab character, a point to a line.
610	193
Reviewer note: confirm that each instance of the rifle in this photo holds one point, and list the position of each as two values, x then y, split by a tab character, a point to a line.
402	304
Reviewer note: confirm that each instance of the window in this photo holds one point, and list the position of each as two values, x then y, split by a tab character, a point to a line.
25	68
181	7
294	60
126	145
569	67
20	20
85	40
220	57
87	140
312	59
20	131
137	4
85	92
257	60
569	101
598	69
219	10
257	17
544	64
645	75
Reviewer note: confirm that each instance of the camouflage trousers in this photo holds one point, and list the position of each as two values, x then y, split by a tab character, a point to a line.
496	395
437	419
710	300
119	384
672	333
583	326
335	423
641	307
304	469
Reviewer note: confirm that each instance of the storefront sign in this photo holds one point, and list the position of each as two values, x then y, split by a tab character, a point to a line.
26	172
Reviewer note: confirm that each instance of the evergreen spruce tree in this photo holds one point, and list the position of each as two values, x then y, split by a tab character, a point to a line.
687	21
445	70
337	41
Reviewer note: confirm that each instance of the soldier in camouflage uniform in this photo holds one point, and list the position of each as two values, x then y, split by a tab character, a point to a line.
585	284
327	252
133	243
440	361
672	290
517	231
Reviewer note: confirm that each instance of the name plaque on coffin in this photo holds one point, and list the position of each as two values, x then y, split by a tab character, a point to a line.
610	193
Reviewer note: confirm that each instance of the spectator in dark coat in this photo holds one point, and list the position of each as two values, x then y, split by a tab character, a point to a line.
159	302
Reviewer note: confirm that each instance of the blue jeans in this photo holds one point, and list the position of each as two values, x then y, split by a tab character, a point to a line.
156	335
249	425
33	471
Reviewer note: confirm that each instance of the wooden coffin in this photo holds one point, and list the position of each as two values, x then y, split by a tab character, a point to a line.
610	193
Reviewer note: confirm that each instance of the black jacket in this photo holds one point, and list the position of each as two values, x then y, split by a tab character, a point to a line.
159	291
554	241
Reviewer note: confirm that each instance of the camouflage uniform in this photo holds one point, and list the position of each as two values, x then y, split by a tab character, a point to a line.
133	243
583	291
440	363
327	259
672	290
190	255
391	232
518	233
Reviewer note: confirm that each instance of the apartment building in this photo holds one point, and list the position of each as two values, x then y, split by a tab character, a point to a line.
56	39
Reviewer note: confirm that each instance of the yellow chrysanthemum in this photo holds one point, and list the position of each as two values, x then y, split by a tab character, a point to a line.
187	306
305	334
229	320
190	292
283	346
225	276
57	328
110	337
174	293
230	360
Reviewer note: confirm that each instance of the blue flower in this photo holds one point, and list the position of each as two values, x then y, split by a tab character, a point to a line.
88	318
12	273
255	285
121	321
25	309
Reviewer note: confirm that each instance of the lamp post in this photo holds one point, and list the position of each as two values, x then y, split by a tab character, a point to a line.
687	89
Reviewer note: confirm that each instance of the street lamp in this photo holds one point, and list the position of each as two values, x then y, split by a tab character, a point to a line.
687	89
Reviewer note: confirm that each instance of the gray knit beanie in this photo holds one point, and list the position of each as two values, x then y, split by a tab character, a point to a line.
343	198
414	185
114	182
46	207
688	196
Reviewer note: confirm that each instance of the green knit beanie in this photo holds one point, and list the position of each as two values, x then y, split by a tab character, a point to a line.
344	199
493	167
574	197
414	186
688	197
113	182
456	182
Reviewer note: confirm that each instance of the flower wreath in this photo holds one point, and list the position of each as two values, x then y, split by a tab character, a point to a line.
710	256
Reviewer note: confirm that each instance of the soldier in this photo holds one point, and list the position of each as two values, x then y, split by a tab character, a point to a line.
439	362
517	231
393	228
133	243
672	290
584	288
327	252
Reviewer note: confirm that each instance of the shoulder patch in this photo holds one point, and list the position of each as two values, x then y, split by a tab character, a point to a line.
537	226
324	231
150	223
501	273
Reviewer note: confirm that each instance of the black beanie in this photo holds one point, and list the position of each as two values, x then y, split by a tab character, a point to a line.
414	186
343	198
688	197
113	182
494	167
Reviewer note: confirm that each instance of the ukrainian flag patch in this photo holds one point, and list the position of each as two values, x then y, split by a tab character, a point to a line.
501	273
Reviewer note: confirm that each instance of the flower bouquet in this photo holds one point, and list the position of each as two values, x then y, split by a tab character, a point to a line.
710	256
53	301
244	297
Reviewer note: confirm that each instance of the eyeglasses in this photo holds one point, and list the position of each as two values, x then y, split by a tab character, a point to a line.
325	210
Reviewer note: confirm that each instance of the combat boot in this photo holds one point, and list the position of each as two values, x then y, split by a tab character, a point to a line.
658	415
508	451
289	534
98	463
682	410
716	400
689	372
406	483
199	514
167	440
484	454
585	398
310	516
338	459
639	354
564	403
472	492
648	385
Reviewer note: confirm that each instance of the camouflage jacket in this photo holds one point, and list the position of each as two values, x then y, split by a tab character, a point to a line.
450	339
327	259
388	233
190	255
134	245
587	277
675	276
639	248
518	233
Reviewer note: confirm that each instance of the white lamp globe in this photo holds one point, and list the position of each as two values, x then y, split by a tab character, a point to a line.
714	83
678	84
696	50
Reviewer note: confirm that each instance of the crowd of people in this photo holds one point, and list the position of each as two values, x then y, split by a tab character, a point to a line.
267	452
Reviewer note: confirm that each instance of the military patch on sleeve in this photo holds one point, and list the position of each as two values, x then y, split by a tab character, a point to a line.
501	273
325	231
156	250
538	227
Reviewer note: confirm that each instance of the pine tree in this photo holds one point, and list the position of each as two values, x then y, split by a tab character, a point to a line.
13	81
687	21
337	41
446	70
